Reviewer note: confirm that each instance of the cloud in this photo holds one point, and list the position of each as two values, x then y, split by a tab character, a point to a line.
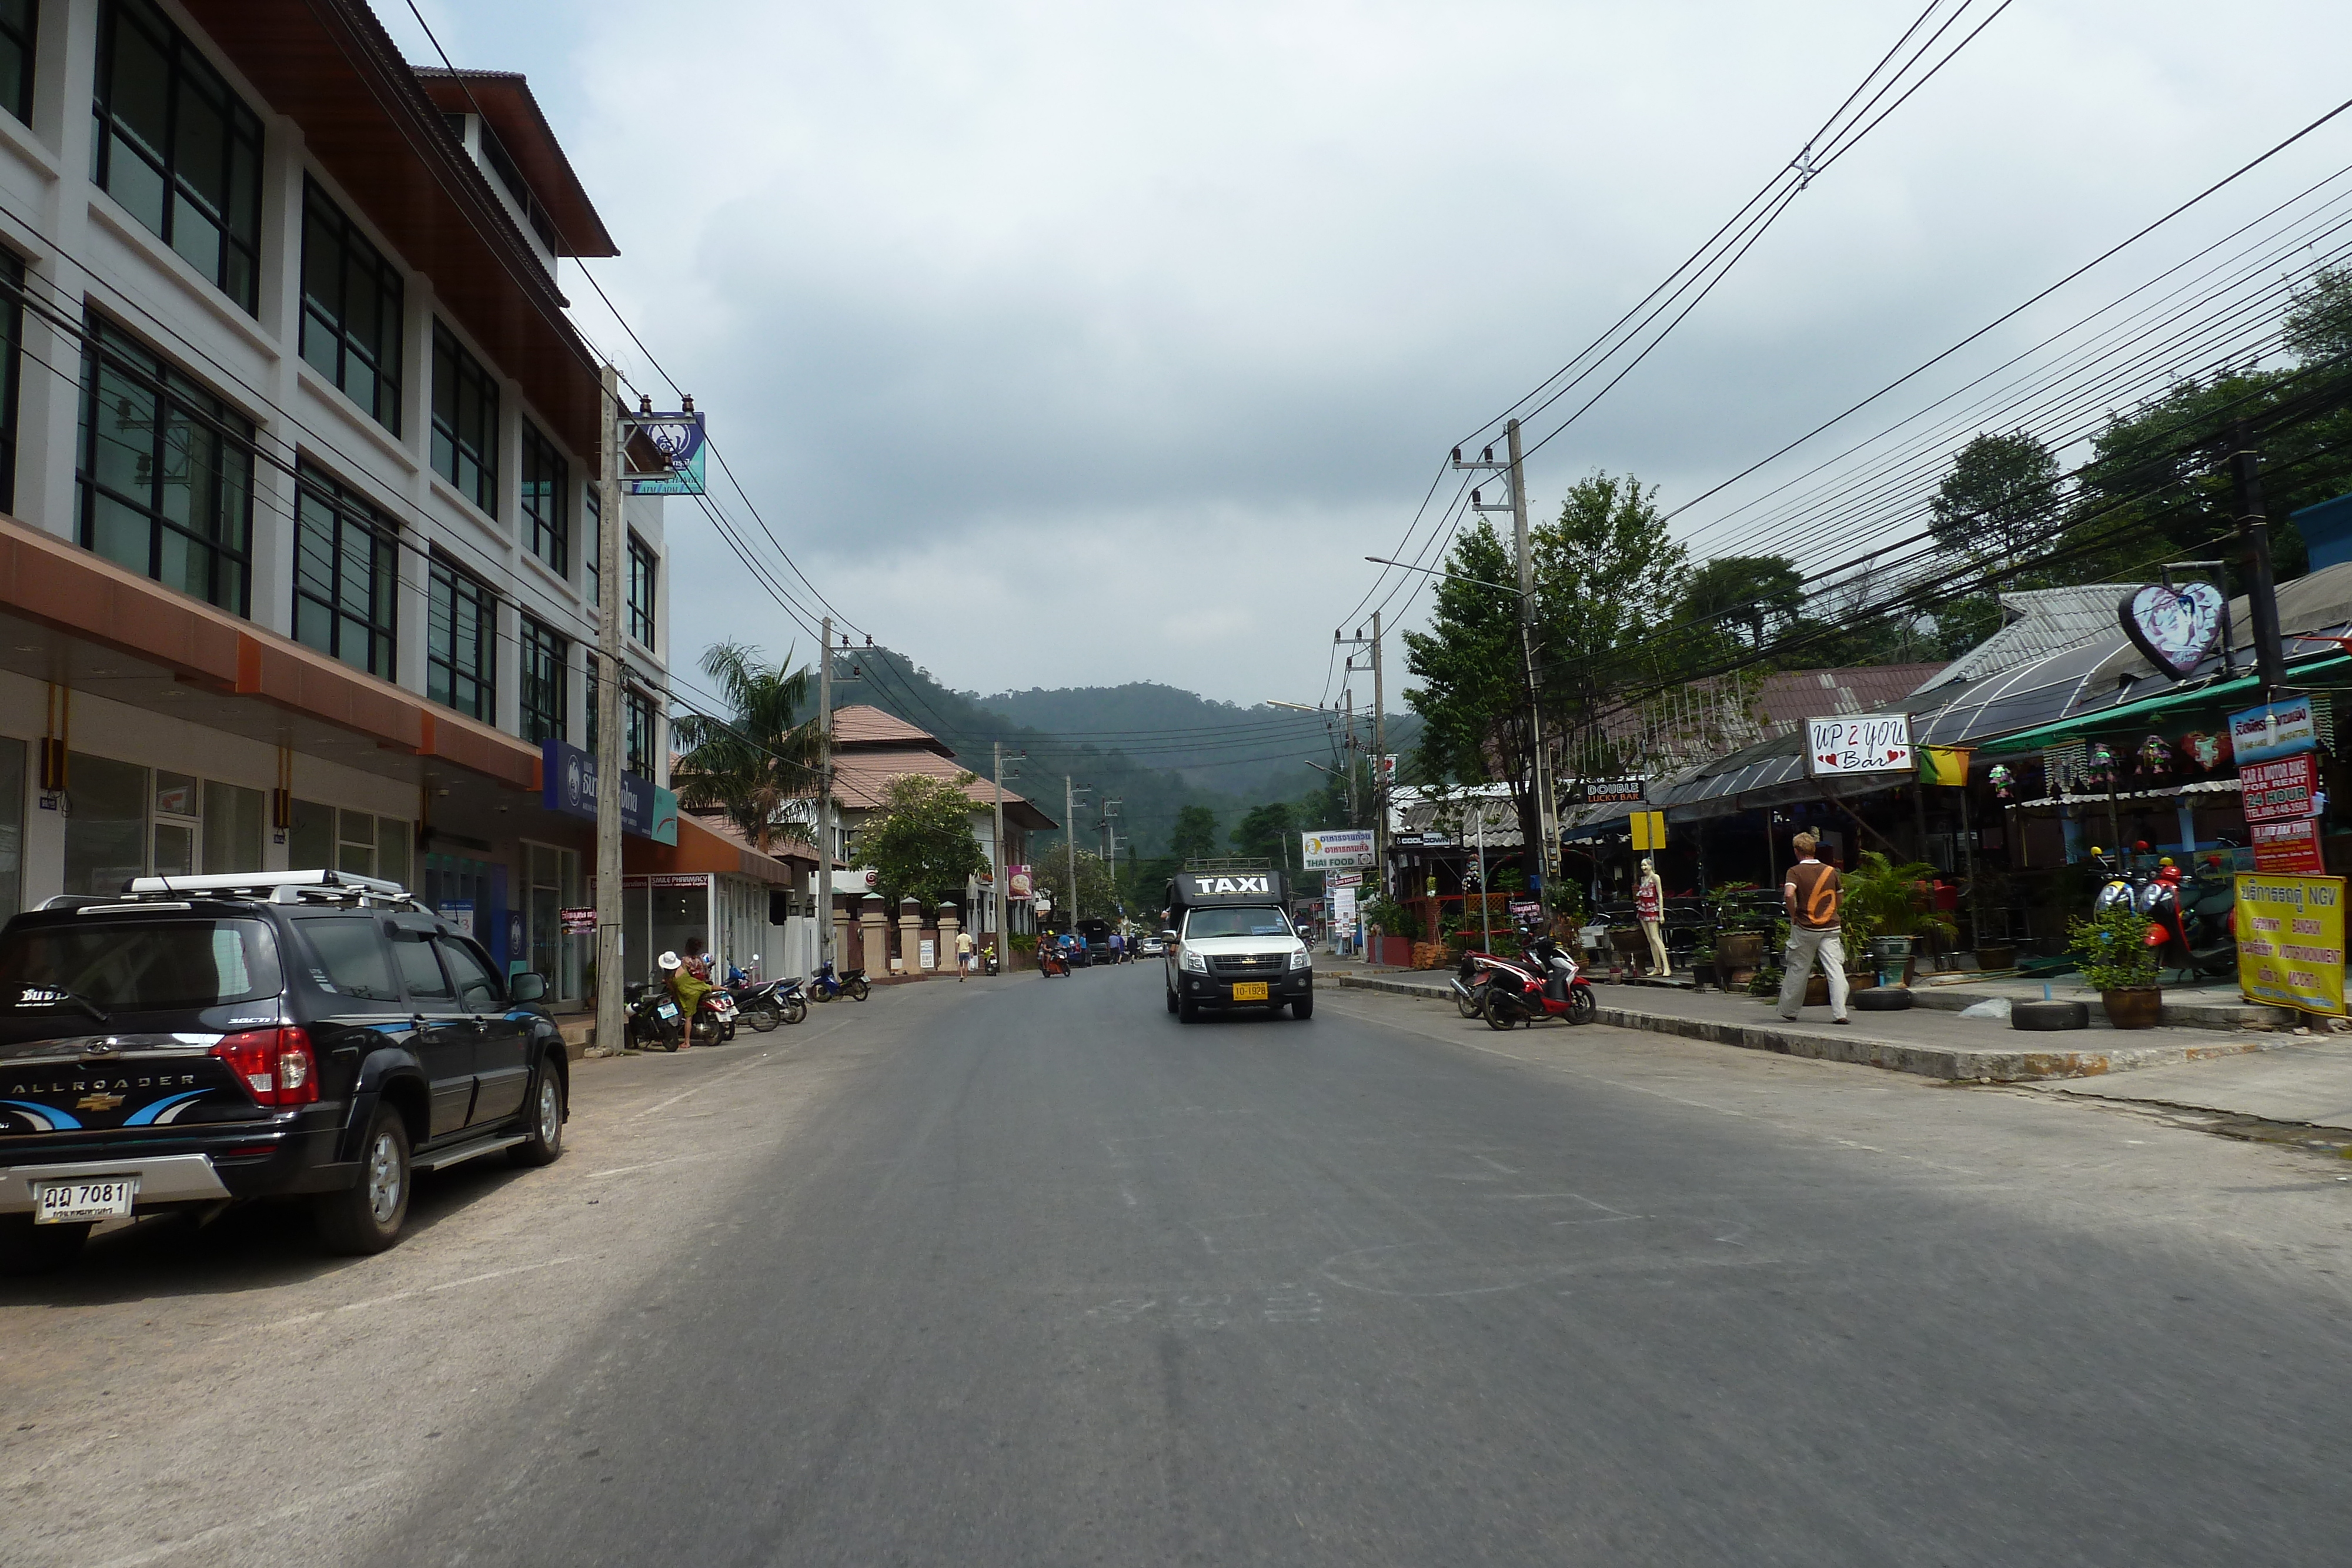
1072	343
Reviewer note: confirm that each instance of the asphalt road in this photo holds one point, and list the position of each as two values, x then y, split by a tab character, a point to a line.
1026	1272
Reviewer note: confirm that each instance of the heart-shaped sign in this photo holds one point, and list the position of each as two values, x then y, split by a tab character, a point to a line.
2174	627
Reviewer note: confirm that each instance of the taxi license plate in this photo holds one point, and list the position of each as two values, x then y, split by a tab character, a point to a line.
1249	990
89	1198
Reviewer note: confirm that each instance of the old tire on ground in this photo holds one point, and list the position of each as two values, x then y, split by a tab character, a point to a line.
366	1216
29	1248
2048	1015
1304	1007
1882	1000
542	1140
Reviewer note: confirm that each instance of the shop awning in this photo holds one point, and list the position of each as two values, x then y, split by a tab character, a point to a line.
2244	688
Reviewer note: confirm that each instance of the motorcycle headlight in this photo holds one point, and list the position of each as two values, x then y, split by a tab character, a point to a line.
1300	958
1192	960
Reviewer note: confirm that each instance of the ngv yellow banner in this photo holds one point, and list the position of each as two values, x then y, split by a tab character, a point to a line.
2291	941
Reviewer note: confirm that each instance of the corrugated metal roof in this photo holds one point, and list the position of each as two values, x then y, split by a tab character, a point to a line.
2040	620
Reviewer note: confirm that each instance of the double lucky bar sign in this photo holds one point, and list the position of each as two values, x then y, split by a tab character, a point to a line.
1858	743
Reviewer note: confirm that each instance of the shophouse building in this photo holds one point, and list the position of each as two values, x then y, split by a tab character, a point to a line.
298	558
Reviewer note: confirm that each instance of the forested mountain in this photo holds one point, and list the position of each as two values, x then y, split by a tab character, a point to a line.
1153	747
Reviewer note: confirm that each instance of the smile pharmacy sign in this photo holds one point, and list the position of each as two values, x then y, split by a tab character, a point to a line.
1858	743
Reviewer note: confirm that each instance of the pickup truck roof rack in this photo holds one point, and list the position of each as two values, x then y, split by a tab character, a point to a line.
276	887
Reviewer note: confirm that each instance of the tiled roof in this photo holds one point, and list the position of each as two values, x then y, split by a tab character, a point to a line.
866	727
2041	620
860	778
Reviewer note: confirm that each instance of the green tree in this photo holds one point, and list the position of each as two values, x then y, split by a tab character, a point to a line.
921	841
1761	594
1096	893
1607	576
1267	830
757	765
1195	837
1471	691
1998	500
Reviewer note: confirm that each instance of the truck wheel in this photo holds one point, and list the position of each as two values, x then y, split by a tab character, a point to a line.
1171	1001
1187	1010
1303	1009
542	1143
366	1216
29	1248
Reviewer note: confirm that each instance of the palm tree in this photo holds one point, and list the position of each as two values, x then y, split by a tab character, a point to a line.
759	764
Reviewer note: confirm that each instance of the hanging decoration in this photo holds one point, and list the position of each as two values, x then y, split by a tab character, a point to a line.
2203	749
2155	757
2003	782
2101	770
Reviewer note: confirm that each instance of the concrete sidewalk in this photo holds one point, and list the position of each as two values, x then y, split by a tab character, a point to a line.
1926	1039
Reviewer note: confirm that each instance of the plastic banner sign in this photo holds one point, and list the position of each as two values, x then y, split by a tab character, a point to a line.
580	922
1341	848
2174	627
2280	730
1344	879
2291	847
2281	789
1862	743
2291	941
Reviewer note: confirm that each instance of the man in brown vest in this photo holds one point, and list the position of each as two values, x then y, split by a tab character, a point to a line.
1814	894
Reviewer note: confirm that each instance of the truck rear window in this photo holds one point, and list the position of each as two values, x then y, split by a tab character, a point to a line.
1237	922
148	964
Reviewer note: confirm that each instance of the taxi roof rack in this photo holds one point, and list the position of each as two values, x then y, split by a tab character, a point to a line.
277	887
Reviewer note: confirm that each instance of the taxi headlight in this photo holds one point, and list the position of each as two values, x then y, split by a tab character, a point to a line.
1300	958
1192	960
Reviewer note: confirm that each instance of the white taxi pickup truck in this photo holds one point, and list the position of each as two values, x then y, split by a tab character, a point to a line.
1234	945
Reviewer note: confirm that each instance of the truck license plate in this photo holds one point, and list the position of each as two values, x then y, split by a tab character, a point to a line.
92	1197
1249	990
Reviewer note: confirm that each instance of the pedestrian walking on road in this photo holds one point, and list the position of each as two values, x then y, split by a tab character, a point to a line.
1814	896
963	955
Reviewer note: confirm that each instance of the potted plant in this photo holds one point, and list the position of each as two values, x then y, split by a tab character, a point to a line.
1894	903
2112	951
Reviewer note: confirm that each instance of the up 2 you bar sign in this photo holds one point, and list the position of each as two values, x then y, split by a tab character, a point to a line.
1858	743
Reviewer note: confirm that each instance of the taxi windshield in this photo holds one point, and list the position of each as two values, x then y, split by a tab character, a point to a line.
1244	921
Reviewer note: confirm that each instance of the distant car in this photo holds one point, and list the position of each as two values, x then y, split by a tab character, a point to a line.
1154	947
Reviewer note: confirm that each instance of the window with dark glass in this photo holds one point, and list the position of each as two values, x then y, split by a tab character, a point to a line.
461	644
176	148
641	591
642	735
164	475
465	422
591	540
346	574
351	308
12	362
546	657
502	164
19	19
547	499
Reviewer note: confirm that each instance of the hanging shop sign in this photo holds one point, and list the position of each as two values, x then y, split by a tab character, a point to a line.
1016	882
1616	792
1343	879
581	922
1649	830
663	454
568	784
2174	627
1342	847
2291	941
2274	729
2281	789
1857	744
2288	848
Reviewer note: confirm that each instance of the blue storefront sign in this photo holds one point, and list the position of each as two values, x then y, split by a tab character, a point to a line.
568	784
2276	729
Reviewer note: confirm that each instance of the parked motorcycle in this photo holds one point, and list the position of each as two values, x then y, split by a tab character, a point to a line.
765	1004
1546	983
714	1020
1469	983
988	959
825	986
653	1022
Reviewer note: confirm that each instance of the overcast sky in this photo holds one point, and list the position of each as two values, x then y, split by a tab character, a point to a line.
1075	344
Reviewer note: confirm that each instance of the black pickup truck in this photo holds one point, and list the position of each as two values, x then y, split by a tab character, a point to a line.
203	1040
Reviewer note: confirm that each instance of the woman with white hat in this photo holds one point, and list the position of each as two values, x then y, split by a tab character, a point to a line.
688	987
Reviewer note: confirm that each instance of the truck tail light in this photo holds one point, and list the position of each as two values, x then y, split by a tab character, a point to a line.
277	1066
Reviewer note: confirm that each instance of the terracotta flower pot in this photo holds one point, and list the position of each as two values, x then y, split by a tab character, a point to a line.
1996	955
1738	950
2139	1007
1817	991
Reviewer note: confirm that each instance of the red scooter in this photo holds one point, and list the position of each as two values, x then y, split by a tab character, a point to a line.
1545	983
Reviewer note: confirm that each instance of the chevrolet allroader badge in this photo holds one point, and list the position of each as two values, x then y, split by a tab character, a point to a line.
98	1101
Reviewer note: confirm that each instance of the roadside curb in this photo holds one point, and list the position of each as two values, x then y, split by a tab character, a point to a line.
1957	1064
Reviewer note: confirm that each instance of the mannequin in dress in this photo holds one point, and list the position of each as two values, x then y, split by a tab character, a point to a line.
1650	909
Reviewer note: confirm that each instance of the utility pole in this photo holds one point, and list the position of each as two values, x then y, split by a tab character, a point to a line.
1110	840
1070	839
1379	781
1547	826
611	564
825	797
2262	593
1003	880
